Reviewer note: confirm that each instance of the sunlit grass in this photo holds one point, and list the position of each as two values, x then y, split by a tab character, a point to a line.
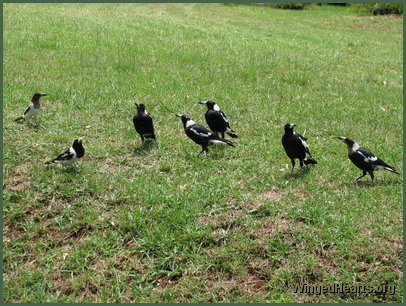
166	226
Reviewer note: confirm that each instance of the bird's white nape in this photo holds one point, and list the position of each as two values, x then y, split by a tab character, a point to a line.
355	146
190	123
216	108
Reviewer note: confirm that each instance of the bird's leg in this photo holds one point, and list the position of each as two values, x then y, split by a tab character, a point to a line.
301	163
293	164
222	134
204	149
371	173
142	143
363	174
156	143
200	153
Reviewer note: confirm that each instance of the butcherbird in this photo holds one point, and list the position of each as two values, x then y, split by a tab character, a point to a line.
364	159
201	135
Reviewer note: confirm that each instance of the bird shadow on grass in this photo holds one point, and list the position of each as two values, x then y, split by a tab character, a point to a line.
145	148
212	154
37	126
368	184
297	174
71	170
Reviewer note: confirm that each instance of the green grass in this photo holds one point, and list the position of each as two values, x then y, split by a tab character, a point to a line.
166	226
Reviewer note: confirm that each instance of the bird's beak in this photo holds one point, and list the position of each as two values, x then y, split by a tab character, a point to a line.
43	95
292	125
178	115
203	102
341	138
137	105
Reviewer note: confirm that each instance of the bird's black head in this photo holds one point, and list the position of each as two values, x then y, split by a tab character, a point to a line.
78	141
140	107
37	96
184	118
210	104
289	127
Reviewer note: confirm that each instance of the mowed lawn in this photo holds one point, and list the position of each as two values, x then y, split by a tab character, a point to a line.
232	226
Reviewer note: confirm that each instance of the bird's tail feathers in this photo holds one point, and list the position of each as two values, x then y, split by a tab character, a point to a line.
227	142
220	140
309	161
232	134
19	118
51	162
391	170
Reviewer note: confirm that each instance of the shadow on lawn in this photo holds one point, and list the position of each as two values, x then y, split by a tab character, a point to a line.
145	148
368	184
298	173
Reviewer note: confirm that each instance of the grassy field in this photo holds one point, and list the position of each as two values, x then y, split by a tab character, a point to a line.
165	226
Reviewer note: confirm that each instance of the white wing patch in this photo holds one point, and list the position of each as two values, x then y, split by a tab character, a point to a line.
304	143
74	157
224	117
201	134
369	158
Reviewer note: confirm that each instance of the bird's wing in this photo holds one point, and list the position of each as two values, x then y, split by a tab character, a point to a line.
224	117
149	125
371	158
28	108
304	143
201	131
367	156
67	155
301	136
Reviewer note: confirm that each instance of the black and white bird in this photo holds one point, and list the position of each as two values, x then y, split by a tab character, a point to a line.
143	124
364	159
296	147
71	155
201	135
217	120
33	108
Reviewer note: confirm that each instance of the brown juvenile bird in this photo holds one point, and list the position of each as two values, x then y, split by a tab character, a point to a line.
33	108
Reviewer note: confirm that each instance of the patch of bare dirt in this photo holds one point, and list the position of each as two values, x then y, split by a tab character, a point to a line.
20	178
61	282
277	226
273	195
250	284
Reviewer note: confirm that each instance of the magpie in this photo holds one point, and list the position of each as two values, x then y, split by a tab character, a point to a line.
33	108
217	120
364	159
71	155
296	147
201	135
143	124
